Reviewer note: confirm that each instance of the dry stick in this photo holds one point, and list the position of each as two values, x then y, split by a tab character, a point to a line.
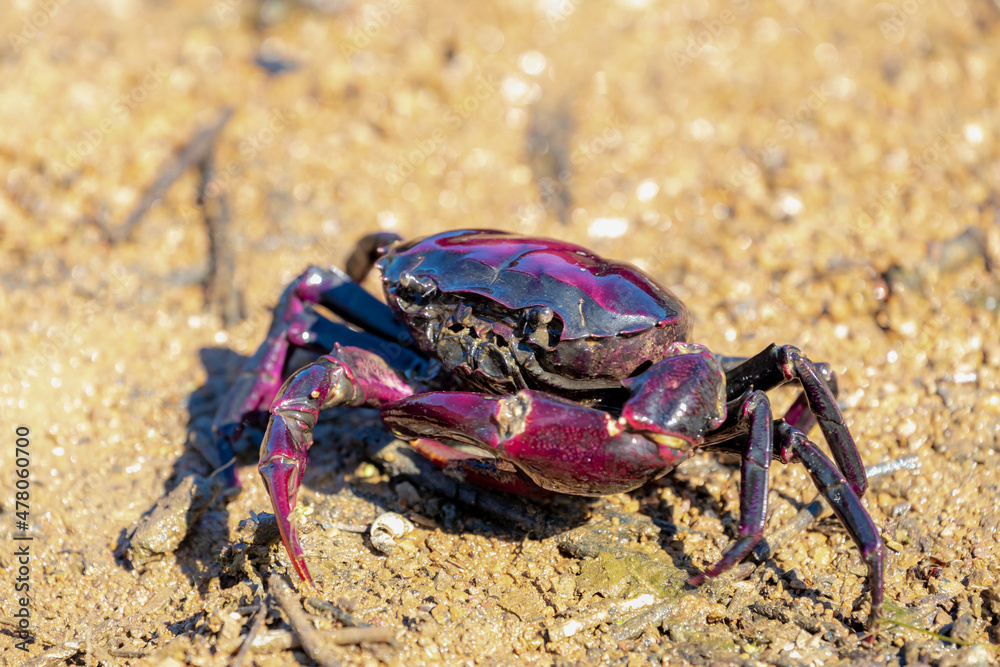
258	622
190	154
220	293
339	614
785	614
273	641
362	632
383	635
351	527
805	518
312	641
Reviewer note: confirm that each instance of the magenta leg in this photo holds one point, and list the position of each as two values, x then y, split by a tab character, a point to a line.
777	365
261	375
257	383
754	485
846	504
561	445
346	376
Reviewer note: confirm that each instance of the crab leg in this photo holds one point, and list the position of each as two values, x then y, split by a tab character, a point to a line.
798	414
333	289
846	504
261	375
312	331
754	485
775	366
346	376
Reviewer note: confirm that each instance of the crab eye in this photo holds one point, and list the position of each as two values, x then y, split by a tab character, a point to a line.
542	328
542	315
421	285
413	293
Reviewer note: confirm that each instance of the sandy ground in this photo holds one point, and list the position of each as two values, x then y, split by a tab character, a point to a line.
820	174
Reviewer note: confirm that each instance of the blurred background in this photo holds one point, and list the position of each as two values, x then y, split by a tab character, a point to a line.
817	173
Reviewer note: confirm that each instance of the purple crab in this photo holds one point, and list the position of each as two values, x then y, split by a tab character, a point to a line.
569	372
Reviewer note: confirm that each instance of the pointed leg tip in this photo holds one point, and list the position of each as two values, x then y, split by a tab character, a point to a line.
303	570
698	579
295	553
874	618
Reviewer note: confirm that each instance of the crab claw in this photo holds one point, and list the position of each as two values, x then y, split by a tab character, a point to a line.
281	463
282	479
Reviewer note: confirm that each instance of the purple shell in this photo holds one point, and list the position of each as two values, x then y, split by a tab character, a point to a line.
592	296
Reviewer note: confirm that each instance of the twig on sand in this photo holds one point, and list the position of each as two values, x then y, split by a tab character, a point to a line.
345	636
339	614
258	623
189	155
604	613
312	642
817	508
274	641
220	293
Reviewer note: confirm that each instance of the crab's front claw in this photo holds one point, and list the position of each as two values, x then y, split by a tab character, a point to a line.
282	460
346	376
281	476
